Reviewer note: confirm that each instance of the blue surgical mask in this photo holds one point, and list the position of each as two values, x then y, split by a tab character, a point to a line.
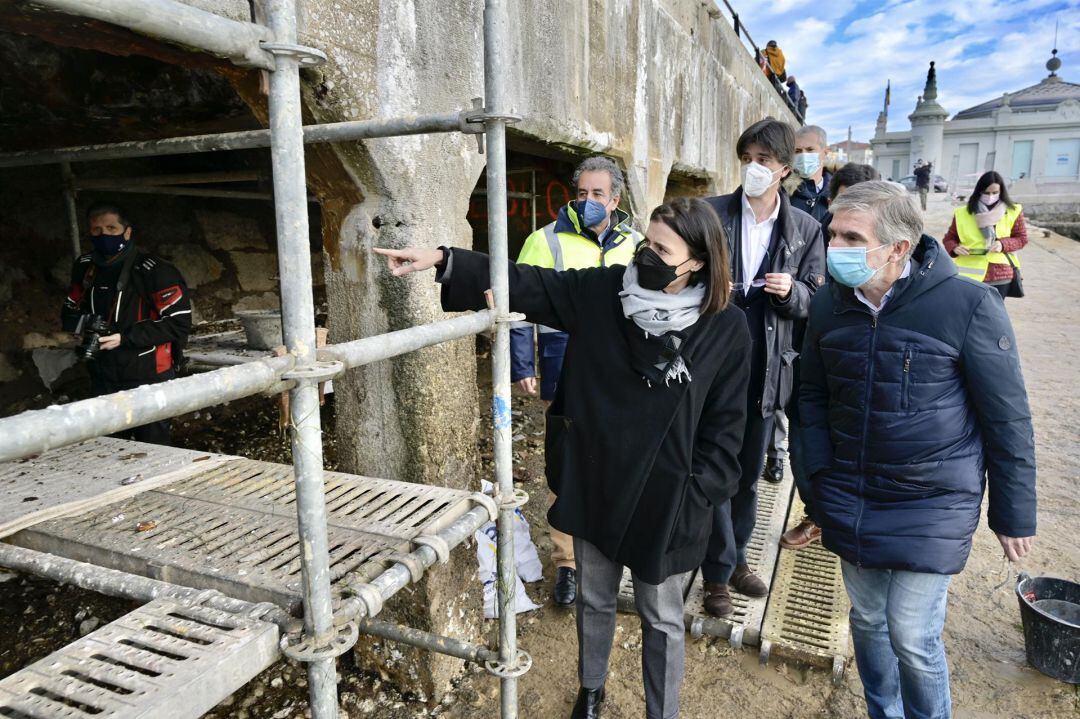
807	163
108	245
590	212
847	265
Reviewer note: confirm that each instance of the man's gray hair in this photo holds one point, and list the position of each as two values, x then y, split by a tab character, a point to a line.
895	216
815	129
600	163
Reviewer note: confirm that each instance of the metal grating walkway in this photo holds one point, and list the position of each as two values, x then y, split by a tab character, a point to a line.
807	618
744	624
232	528
70	478
140	665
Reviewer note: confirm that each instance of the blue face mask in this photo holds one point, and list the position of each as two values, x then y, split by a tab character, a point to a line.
108	245
807	163
590	212
847	265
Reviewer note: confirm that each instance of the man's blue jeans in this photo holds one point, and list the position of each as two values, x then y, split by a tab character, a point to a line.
896	623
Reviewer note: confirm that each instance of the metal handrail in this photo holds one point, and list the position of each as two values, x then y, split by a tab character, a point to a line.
755	51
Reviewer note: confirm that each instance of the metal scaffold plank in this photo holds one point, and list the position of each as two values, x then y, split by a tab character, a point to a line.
807	618
231	526
81	477
137	666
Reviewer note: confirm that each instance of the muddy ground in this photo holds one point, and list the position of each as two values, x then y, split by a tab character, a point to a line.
983	633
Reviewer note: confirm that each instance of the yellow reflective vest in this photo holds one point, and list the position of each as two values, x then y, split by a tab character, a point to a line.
561	245
974	266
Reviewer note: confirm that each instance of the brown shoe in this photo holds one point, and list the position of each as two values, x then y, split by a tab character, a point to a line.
747	583
802	535
717	600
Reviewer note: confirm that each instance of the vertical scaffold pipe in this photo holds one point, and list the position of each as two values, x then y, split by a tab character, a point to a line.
69	206
496	67
298	325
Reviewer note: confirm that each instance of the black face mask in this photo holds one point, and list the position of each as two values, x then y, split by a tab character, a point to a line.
653	273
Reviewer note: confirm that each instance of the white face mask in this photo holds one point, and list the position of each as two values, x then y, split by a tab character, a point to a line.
989	199
757	179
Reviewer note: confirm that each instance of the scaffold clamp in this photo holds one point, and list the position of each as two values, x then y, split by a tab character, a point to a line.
314	373
305	650
487	502
437	543
518	498
413	564
522	664
306	56
369	595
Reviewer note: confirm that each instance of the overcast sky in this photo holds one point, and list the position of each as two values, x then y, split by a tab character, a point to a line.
842	52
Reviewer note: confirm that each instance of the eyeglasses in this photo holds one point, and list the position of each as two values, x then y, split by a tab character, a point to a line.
745	286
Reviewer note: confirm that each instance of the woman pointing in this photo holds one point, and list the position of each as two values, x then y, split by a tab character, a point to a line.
646	425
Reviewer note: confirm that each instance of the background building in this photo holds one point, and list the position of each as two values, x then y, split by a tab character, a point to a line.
1031	137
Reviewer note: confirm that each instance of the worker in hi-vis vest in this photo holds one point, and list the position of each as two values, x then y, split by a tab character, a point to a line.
589	232
986	232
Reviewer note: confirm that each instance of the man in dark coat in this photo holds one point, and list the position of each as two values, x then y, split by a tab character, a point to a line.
911	399
777	265
923	177
808	188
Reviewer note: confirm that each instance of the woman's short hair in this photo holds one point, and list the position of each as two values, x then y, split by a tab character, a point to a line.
696	222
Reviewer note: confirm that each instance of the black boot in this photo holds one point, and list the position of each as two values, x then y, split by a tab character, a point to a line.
565	586
588	704
774	471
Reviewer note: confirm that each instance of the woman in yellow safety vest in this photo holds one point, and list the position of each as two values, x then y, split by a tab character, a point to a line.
986	232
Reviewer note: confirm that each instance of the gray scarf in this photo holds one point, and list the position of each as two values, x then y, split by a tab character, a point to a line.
658	312
986	218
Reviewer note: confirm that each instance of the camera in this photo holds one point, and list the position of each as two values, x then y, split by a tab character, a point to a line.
90	328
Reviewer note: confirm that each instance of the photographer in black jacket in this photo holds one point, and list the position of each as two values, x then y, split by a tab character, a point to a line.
131	309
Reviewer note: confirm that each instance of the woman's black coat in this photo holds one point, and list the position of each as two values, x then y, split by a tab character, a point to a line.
636	469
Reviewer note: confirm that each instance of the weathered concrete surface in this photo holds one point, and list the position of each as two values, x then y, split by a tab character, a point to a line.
657	84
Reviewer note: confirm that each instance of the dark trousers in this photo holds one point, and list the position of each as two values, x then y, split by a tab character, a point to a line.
153	433
733	521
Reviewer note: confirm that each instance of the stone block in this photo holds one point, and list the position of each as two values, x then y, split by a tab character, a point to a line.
256	271
264	301
230	231
196	264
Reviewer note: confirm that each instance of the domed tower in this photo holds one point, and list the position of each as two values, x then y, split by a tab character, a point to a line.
928	125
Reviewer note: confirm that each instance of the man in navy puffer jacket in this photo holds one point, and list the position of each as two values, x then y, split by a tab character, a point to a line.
911	399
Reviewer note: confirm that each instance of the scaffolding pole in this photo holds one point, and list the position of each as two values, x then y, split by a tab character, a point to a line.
69	206
179	24
38	430
464	121
298	328
496	65
115	583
